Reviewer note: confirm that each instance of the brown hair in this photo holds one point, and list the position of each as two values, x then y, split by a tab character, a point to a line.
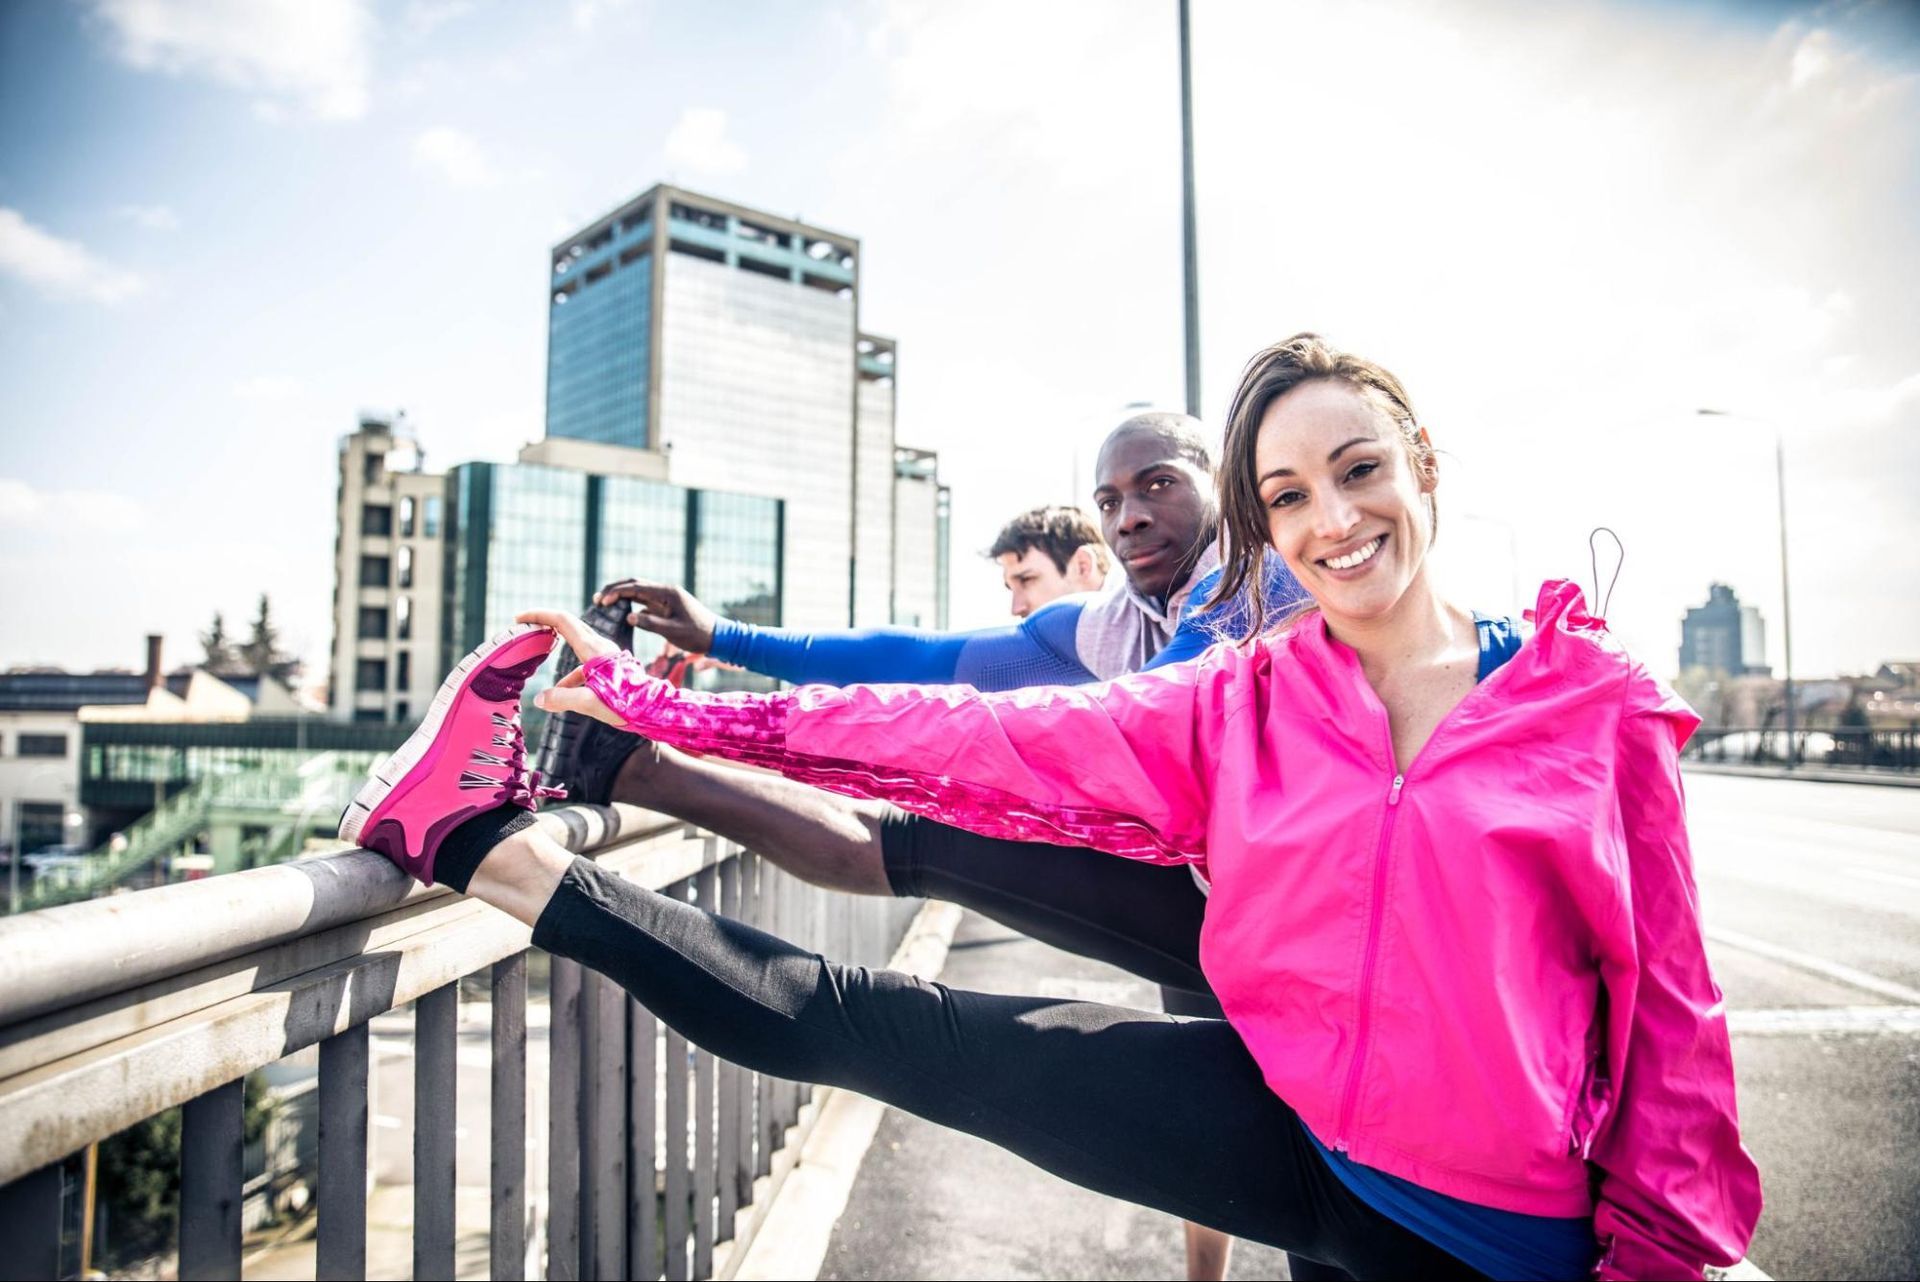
1273	373
1057	531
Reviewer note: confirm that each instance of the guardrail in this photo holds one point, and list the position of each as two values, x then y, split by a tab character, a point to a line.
117	1009
1843	747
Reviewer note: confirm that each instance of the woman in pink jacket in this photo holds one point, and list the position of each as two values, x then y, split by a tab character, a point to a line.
1471	1029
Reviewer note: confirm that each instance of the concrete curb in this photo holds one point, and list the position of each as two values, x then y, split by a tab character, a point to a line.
805	1195
1810	774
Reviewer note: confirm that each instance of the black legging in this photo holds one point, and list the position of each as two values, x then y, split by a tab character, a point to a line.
1168	1113
1143	918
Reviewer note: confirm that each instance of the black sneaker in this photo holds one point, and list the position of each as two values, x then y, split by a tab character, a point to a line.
578	753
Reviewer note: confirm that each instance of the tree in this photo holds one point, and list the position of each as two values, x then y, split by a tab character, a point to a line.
262	655
220	657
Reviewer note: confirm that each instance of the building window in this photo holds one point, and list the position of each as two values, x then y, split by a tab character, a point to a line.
370	468
698	217
430	517
403	618
370	674
374	572
40	825
368	714
400	710
376	520
406	567
373	623
43	745
403	670
406	517
775	270
737	556
692	250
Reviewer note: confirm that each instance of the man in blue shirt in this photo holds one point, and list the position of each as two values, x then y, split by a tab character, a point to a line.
1154	494
1155	499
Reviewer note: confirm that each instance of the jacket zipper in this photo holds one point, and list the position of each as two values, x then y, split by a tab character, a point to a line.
1366	968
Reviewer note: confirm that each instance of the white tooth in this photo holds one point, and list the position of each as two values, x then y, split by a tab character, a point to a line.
1358	556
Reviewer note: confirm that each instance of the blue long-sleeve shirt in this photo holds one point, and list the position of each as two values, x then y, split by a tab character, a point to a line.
1042	649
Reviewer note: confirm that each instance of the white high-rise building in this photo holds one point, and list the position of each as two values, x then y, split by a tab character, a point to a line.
388	583
726	342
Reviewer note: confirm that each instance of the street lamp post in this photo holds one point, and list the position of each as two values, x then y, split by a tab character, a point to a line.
1786	599
1189	224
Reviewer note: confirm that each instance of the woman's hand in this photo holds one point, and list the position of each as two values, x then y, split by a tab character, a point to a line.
570	694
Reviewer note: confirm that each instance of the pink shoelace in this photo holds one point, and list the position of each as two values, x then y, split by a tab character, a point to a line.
522	787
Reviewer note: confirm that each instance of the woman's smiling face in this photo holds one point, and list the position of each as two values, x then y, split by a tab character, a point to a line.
1346	507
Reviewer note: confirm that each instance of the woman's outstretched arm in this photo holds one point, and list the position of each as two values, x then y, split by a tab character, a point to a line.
1124	766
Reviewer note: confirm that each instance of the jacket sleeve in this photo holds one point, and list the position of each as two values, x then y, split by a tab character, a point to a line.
1677	1189
839	658
1123	767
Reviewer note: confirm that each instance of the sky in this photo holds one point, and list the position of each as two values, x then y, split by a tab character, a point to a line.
228	226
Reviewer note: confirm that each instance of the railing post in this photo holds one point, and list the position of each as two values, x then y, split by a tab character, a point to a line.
729	1165
508	1125
341	1249
705	1112
436	1035
766	1129
563	1124
677	1191
30	1224
643	1120
603	1112
212	1149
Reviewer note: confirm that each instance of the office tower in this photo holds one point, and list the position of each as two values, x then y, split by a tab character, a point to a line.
874	549
387	591
922	509
725	341
1724	636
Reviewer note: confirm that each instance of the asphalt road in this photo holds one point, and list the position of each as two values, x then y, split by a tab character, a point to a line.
1811	895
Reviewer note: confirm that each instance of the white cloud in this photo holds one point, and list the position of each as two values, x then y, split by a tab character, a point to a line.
312	52
1812	58
268	387
152	217
61	268
698	144
421	17
24	507
587	12
455	156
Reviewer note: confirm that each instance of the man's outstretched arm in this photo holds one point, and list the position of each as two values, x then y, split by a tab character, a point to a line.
1036	651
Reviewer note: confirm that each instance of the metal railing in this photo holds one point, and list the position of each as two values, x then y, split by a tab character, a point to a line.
1835	747
659	1158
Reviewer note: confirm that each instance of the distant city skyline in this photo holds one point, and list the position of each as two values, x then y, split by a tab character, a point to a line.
226	228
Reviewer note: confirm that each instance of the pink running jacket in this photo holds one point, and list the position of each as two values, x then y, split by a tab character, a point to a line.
1485	974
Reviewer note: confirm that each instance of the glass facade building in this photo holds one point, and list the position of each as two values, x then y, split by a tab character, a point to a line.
756	396
723	341
599	346
525	535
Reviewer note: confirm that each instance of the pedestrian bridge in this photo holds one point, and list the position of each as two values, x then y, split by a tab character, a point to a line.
626	1153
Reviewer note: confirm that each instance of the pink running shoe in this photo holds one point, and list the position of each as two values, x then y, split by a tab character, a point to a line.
468	756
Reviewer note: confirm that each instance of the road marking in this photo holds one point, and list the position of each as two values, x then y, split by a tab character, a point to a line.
1890	878
1816	965
1826	1019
